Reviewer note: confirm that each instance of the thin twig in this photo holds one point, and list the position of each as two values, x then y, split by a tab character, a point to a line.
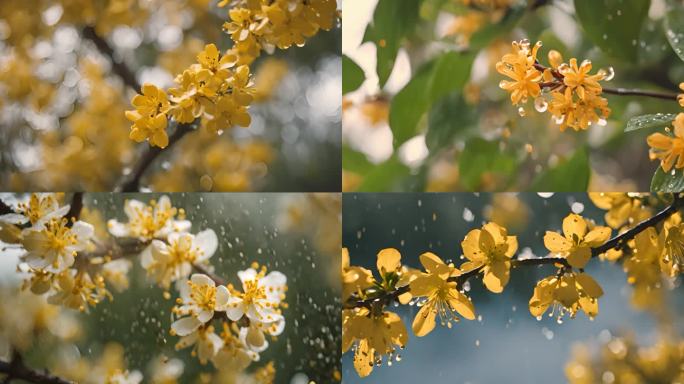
75	208
15	369
202	269
640	92
612	243
131	182
118	66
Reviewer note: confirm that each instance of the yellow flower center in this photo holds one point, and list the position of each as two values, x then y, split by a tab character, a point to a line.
58	235
204	296
253	292
181	252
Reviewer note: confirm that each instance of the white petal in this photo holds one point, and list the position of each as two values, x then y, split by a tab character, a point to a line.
181	225
205	315
222	297
202	279
207	243
83	231
164	203
185	326
132	207
274	279
243	340
236	312
117	229
13	218
247	274
146	257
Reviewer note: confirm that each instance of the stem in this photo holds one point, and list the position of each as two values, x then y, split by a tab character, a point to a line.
614	242
640	92
75	207
15	369
118	66
131	182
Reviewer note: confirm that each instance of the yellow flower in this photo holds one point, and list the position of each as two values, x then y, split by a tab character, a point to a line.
149	117
54	246
669	150
623	208
377	335
155	220
568	294
443	297
77	290
492	249
579	80
577	114
577	240
672	258
519	66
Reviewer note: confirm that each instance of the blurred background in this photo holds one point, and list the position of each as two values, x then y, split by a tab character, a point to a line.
62	106
505	343
470	138
267	228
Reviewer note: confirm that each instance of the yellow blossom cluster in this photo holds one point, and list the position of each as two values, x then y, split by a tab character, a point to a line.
623	360
213	89
257	25
104	15
109	367
568	91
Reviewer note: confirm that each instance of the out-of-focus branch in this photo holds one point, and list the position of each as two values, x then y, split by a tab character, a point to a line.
640	92
131	181
119	67
16	369
75	207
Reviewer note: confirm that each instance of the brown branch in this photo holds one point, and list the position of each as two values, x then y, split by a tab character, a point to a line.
119	67
131	182
75	208
202	269
15	369
387	297
5	209
640	92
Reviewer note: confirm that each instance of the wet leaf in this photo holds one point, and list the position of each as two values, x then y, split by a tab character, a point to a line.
672	181
352	75
658	120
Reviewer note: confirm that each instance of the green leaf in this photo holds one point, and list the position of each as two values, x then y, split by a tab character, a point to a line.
385	177
352	75
613	25
448	117
667	182
571	175
435	79
674	30
481	156
355	161
392	21
659	120
491	31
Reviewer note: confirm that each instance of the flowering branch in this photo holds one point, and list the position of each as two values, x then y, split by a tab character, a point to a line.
388	296
15	369
118	66
131	182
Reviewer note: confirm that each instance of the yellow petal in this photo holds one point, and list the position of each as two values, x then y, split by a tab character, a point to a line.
432	263
589	306
574	224
345	258
588	285
597	236
579	257
471	246
566	292
425	285
389	260
424	322
461	304
512	242
554	242
496	276
364	359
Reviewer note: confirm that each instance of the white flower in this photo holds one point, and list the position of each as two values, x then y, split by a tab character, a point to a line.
53	247
206	342
116	273
166	263
166	371
134	377
199	299
234	356
41	208
9	230
147	222
260	298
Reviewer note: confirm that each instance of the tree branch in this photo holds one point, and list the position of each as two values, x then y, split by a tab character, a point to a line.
640	92
201	269
612	243
118	66
75	207
131	182
15	369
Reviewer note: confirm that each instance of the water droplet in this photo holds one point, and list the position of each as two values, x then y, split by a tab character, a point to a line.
521	112
540	105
